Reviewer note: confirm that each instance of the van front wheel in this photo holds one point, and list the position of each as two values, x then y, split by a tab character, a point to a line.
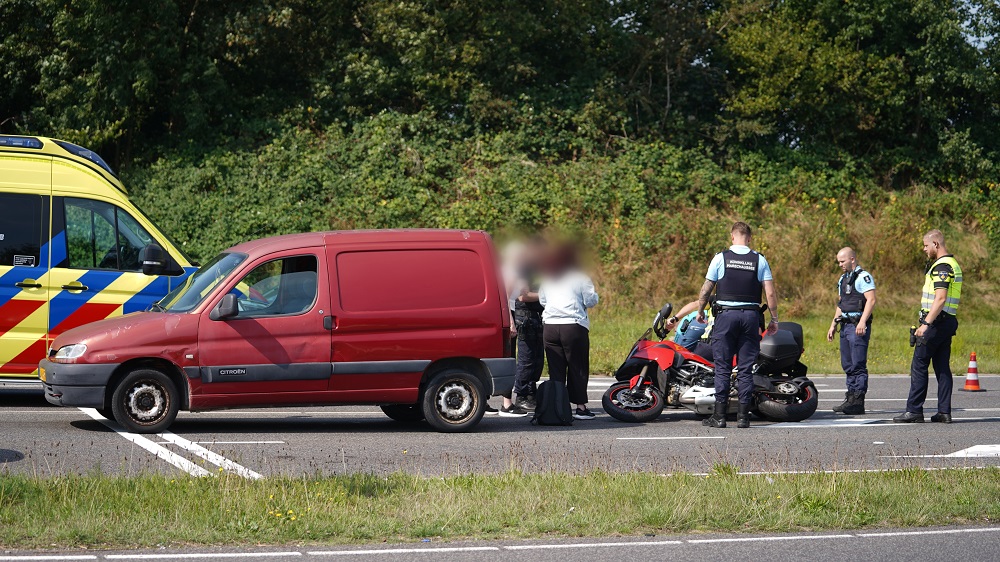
145	401
454	401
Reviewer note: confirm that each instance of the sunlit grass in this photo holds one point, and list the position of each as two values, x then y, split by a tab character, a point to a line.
101	511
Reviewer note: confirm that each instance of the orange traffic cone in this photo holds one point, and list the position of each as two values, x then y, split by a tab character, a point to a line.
972	377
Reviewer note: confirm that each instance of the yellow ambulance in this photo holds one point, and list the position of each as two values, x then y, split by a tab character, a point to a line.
73	249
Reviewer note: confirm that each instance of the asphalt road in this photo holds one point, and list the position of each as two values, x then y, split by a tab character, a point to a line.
40	439
969	543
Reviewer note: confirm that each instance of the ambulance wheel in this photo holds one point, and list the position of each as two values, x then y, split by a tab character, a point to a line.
145	401
454	401
406	413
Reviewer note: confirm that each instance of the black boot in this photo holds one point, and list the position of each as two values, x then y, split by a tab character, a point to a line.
743	416
839	408
718	419
855	406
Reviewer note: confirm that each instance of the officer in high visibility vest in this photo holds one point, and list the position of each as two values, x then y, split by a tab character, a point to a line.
938	324
856	290
741	274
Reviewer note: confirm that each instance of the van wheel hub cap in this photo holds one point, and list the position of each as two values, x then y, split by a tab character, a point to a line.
145	402
455	401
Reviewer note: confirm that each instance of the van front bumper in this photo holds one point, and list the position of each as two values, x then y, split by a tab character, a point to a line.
502	372
75	384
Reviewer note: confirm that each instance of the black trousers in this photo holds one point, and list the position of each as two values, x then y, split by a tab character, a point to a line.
567	348
936	350
530	353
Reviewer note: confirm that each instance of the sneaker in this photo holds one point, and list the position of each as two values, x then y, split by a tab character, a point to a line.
583	414
526	402
491	411
514	411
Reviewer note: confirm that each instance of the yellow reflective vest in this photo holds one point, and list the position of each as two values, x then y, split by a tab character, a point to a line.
954	287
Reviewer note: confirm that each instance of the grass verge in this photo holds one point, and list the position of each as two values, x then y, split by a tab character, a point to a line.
100	511
614	332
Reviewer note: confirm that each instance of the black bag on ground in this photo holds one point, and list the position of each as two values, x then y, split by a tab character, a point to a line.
552	404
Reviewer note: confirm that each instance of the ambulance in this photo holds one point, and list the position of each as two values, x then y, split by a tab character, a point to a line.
72	248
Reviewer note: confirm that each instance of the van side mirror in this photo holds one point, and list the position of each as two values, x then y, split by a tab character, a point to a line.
226	309
154	260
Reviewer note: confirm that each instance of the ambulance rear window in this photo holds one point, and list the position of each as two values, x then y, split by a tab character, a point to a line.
86	153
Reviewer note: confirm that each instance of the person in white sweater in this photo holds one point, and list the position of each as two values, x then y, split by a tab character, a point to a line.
567	293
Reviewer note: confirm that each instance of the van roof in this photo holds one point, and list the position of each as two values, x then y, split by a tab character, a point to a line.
308	239
61	149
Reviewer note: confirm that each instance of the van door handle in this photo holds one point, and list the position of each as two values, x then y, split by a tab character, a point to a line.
28	284
75	286
329	322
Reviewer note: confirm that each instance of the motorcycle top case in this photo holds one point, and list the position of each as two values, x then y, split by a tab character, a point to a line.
780	349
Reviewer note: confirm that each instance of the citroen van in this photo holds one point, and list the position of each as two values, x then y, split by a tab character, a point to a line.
415	321
70	245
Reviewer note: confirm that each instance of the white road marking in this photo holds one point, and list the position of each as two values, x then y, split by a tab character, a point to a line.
49	557
214	458
230	442
588	545
403	550
936	532
195	555
668	438
976	451
161	453
827	422
760	539
874	399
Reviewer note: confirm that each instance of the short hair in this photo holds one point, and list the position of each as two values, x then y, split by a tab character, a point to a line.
935	236
742	228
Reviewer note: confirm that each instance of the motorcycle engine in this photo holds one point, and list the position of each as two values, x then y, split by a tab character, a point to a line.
686	376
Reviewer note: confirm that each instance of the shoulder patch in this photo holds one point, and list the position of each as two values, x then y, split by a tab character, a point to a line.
944	275
868	278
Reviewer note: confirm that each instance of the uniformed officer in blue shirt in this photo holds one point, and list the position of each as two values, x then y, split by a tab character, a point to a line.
856	290
740	274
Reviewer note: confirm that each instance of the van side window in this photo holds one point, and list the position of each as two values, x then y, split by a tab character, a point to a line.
282	286
21	229
102	236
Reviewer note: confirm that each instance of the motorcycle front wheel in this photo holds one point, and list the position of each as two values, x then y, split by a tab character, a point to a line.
622	404
800	407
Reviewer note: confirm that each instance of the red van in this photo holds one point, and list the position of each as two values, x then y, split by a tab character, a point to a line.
415	321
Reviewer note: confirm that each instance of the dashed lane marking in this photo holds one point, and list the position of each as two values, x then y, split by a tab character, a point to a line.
763	539
404	551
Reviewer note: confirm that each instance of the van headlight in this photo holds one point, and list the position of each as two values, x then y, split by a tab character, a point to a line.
70	352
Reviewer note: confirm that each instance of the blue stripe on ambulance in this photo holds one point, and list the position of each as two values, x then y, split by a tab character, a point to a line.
66	303
20	273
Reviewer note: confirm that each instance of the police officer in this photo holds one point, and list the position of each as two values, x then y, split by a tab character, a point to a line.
739	273
856	289
938	324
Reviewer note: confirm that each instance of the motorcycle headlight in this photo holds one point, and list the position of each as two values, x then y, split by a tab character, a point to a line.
70	352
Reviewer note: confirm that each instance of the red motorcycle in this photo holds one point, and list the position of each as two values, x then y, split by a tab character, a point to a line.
658	373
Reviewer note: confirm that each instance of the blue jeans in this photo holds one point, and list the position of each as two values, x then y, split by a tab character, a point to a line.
736	333
854	357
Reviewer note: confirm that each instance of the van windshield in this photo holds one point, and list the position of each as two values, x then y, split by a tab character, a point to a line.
201	283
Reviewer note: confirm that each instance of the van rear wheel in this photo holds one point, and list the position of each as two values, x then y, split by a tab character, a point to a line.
454	401
145	401
407	413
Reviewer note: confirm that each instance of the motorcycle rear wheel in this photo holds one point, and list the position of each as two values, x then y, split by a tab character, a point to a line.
619	404
803	408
